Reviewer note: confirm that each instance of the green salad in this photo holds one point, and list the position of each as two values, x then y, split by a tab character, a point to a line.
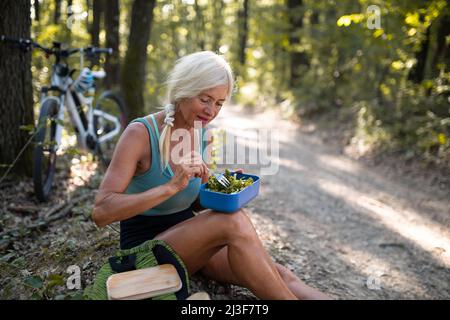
235	186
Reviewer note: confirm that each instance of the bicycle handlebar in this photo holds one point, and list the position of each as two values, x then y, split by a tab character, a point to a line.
95	50
27	44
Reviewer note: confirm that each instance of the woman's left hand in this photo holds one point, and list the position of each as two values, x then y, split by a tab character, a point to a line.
205	173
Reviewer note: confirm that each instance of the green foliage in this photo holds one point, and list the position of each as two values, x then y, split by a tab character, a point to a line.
373	71
44	288
236	185
34	282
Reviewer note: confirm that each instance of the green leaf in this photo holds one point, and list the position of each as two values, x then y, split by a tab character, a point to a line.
36	296
28	127
34	282
19	262
59	121
7	257
235	186
412	18
78	295
55	280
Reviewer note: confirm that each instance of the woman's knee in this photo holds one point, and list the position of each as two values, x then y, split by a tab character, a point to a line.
229	226
239	225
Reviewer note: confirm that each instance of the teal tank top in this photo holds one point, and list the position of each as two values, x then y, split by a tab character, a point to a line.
154	177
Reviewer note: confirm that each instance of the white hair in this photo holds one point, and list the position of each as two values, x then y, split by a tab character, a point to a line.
191	75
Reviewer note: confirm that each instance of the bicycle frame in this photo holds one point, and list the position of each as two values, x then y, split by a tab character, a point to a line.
70	95
72	100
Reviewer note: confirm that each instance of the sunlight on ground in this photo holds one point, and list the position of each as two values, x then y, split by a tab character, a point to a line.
406	223
82	165
338	163
372	273
376	269
81	170
289	163
68	142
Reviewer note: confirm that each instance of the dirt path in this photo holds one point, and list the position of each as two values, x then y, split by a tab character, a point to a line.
354	231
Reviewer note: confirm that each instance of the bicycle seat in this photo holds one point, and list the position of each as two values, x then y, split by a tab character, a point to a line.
99	74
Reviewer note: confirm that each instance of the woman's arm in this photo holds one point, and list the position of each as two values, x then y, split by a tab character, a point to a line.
111	204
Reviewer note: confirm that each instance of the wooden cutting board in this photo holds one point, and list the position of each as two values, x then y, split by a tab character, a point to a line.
143	283
199	296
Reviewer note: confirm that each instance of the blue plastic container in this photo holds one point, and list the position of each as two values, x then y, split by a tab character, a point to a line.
223	202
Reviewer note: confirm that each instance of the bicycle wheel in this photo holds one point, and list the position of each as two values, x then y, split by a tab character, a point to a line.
112	104
44	155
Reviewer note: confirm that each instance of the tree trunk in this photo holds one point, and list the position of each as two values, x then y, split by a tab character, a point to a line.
97	9
68	27
133	68
200	25
88	9
299	59
69	8
417	73
37	11
16	97
218	7
315	17
442	54
57	12
243	31
112	63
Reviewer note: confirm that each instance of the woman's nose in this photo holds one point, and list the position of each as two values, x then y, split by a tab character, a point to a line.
208	111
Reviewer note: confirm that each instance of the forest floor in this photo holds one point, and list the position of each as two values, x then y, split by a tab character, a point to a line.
353	227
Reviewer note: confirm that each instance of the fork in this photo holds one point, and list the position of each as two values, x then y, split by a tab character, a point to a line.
220	178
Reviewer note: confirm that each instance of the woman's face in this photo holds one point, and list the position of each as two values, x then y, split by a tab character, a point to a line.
204	107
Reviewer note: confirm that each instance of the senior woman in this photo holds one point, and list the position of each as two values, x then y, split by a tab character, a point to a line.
153	195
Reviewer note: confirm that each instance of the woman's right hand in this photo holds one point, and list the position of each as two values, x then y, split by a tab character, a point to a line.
190	166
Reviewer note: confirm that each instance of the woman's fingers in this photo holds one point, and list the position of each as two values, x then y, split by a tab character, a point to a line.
205	175
193	158
194	170
193	165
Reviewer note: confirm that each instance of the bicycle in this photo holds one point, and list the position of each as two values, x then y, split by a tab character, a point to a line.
96	130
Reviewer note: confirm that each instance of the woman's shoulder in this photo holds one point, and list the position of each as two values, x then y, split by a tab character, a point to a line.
142	128
144	121
135	140
135	133
159	119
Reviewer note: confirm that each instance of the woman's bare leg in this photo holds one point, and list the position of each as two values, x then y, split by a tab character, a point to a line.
218	269
196	240
298	287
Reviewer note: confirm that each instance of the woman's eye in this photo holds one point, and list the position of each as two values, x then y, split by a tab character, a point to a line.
205	101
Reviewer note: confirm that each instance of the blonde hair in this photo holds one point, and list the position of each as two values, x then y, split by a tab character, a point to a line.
191	75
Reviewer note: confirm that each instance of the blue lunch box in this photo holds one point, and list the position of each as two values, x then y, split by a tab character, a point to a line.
223	202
